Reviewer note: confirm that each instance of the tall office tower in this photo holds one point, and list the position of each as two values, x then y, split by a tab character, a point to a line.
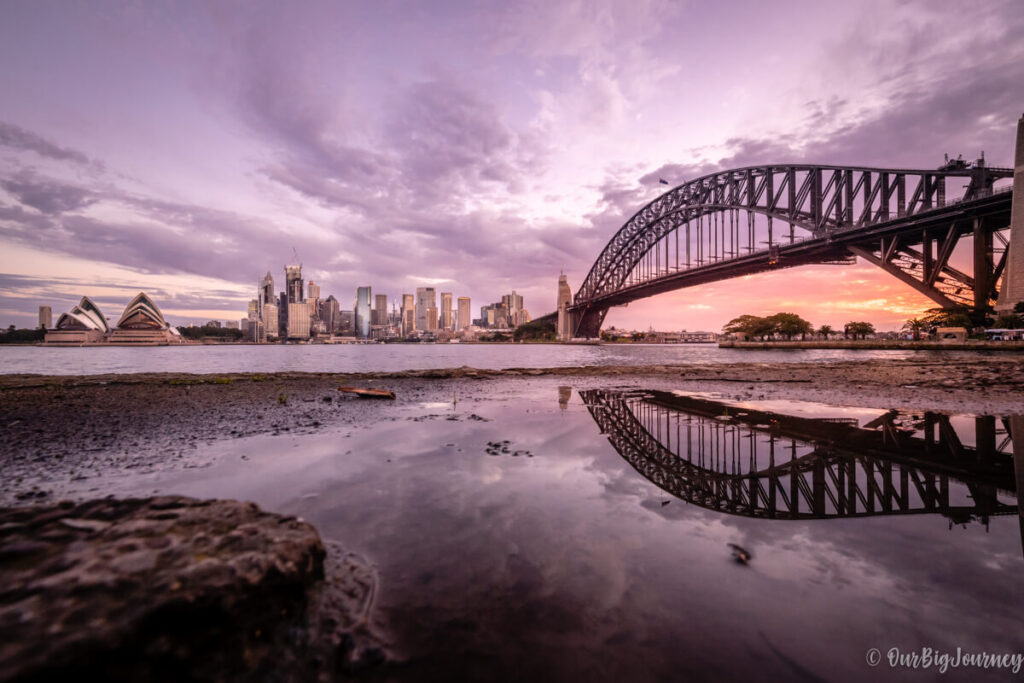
362	311
464	314
408	315
426	298
446	312
565	330
282	315
501	317
45	317
313	299
298	320
487	316
254	307
293	283
380	310
329	310
513	301
266	294
346	323
270	324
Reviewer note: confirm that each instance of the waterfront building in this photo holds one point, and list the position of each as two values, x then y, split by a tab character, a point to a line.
446	322
362	311
270	326
329	310
83	324
346	323
45	318
298	320
293	284
282	315
426	309
266	293
464	314
254	331
142	323
380	310
513	301
408	315
565	330
313	300
232	325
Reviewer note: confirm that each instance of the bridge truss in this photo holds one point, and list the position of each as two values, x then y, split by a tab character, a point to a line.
759	464
761	218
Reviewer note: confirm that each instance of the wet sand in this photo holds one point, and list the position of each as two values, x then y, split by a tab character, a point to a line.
69	428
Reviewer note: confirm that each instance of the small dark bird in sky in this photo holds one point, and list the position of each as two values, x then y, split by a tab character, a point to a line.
665	502
741	555
662	181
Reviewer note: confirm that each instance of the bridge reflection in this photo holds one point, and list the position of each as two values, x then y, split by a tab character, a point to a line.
756	463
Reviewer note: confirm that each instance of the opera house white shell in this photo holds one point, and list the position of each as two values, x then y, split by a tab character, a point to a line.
83	324
142	323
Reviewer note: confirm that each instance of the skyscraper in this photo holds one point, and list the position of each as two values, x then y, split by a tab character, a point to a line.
329	314
293	283
446	311
426	309
45	317
380	309
362	311
408	315
465	316
270	322
514	303
253	312
298	319
266	295
313	301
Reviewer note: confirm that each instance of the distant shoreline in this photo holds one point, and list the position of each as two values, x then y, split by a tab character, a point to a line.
877	345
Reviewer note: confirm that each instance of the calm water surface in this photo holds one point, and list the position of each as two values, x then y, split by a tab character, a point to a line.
596	547
397	357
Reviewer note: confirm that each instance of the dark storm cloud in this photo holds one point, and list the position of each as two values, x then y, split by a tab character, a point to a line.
15	137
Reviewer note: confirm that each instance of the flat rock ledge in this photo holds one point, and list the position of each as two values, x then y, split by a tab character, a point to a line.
166	588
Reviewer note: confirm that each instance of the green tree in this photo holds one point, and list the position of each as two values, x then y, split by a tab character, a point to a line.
789	325
1010	321
858	328
750	325
825	330
914	326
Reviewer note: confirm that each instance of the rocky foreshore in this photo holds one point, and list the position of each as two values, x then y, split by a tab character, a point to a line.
169	589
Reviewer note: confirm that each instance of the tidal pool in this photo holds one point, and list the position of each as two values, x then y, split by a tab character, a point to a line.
584	535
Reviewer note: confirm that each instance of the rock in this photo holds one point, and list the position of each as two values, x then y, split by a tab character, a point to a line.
166	588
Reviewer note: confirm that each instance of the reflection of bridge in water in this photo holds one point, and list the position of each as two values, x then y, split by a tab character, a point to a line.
760	464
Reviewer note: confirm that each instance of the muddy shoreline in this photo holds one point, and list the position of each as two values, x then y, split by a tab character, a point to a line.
60	429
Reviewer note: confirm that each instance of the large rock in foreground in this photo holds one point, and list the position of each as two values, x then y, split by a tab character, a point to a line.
164	588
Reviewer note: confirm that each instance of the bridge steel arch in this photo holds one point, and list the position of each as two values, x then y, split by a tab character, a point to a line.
898	219
878	473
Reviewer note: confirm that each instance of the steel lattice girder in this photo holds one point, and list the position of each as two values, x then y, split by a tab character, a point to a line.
819	199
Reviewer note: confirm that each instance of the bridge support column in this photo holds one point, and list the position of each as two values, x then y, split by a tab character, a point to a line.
1013	276
983	267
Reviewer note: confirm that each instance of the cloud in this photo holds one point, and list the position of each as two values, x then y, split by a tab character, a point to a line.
17	138
46	196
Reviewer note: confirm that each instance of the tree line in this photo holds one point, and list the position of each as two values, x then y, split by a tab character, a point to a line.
790	325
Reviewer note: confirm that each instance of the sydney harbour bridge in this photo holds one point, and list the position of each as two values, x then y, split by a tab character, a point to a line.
753	463
739	222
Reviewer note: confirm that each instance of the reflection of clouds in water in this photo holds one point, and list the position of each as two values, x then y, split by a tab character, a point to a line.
566	565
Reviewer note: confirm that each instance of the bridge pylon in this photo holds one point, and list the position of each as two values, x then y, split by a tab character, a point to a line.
1013	278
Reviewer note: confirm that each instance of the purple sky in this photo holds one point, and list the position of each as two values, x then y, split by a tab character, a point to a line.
187	148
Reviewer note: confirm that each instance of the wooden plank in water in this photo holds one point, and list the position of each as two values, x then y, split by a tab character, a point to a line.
368	393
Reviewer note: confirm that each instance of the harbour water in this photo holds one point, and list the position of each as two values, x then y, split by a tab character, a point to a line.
398	357
545	533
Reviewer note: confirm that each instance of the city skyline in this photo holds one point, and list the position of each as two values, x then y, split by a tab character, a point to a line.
475	166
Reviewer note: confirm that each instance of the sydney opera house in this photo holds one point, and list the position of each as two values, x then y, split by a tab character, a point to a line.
141	324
